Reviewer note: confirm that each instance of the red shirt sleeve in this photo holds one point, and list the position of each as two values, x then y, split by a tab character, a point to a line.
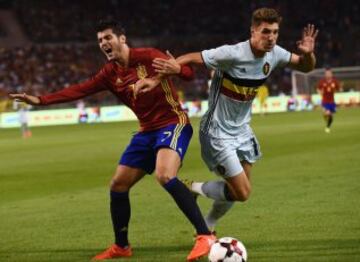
93	85
186	71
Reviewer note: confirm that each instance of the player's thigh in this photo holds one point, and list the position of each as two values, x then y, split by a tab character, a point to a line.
125	177
168	163
248	153
247	168
328	109
235	175
239	186
171	146
327	112
139	154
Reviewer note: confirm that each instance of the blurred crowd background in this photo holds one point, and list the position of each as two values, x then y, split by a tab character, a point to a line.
48	45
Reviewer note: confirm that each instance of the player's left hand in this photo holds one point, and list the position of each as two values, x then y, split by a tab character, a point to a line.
307	44
167	66
145	85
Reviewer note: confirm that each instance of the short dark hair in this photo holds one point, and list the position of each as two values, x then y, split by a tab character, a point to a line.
110	23
268	15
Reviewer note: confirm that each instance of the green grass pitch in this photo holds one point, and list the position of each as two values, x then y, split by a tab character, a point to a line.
305	204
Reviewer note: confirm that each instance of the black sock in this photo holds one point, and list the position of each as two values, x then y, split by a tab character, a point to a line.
186	202
120	215
329	121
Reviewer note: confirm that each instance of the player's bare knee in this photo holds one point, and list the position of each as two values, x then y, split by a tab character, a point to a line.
246	195
163	175
118	185
163	178
242	197
243	194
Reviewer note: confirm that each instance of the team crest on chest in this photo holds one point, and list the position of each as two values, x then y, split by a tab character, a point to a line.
266	68
141	71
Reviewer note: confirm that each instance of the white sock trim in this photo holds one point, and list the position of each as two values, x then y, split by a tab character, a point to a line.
196	187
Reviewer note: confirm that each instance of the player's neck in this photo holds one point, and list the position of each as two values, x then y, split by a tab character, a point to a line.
123	59
256	52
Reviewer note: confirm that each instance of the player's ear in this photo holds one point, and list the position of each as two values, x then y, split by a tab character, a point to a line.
252	30
122	38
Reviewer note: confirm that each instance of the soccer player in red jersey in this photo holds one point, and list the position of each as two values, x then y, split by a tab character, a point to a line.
159	146
327	88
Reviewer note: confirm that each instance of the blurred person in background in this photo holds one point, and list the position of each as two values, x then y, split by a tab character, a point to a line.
5	102
159	146
327	88
83	115
228	144
262	95
96	114
292	104
23	111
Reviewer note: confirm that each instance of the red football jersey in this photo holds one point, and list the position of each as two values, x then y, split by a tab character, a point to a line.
154	109
328	89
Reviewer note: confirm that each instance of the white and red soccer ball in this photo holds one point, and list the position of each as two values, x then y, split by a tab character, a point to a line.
228	249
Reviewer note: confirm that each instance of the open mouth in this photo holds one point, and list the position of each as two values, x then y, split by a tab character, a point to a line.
107	50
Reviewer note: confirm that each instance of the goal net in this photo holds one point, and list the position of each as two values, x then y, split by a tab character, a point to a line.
305	83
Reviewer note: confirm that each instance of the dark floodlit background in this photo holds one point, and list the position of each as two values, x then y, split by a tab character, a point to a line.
46	45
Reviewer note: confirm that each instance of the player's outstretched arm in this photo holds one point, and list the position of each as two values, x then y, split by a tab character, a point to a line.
172	66
29	99
190	58
165	67
306	61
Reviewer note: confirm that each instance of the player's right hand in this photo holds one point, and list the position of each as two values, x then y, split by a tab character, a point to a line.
167	66
31	100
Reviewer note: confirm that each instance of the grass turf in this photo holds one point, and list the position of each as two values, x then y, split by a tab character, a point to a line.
304	205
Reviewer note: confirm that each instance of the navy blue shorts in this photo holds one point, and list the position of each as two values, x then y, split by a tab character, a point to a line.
142	150
330	107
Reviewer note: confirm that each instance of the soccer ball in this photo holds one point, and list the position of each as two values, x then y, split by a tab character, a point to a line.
228	249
